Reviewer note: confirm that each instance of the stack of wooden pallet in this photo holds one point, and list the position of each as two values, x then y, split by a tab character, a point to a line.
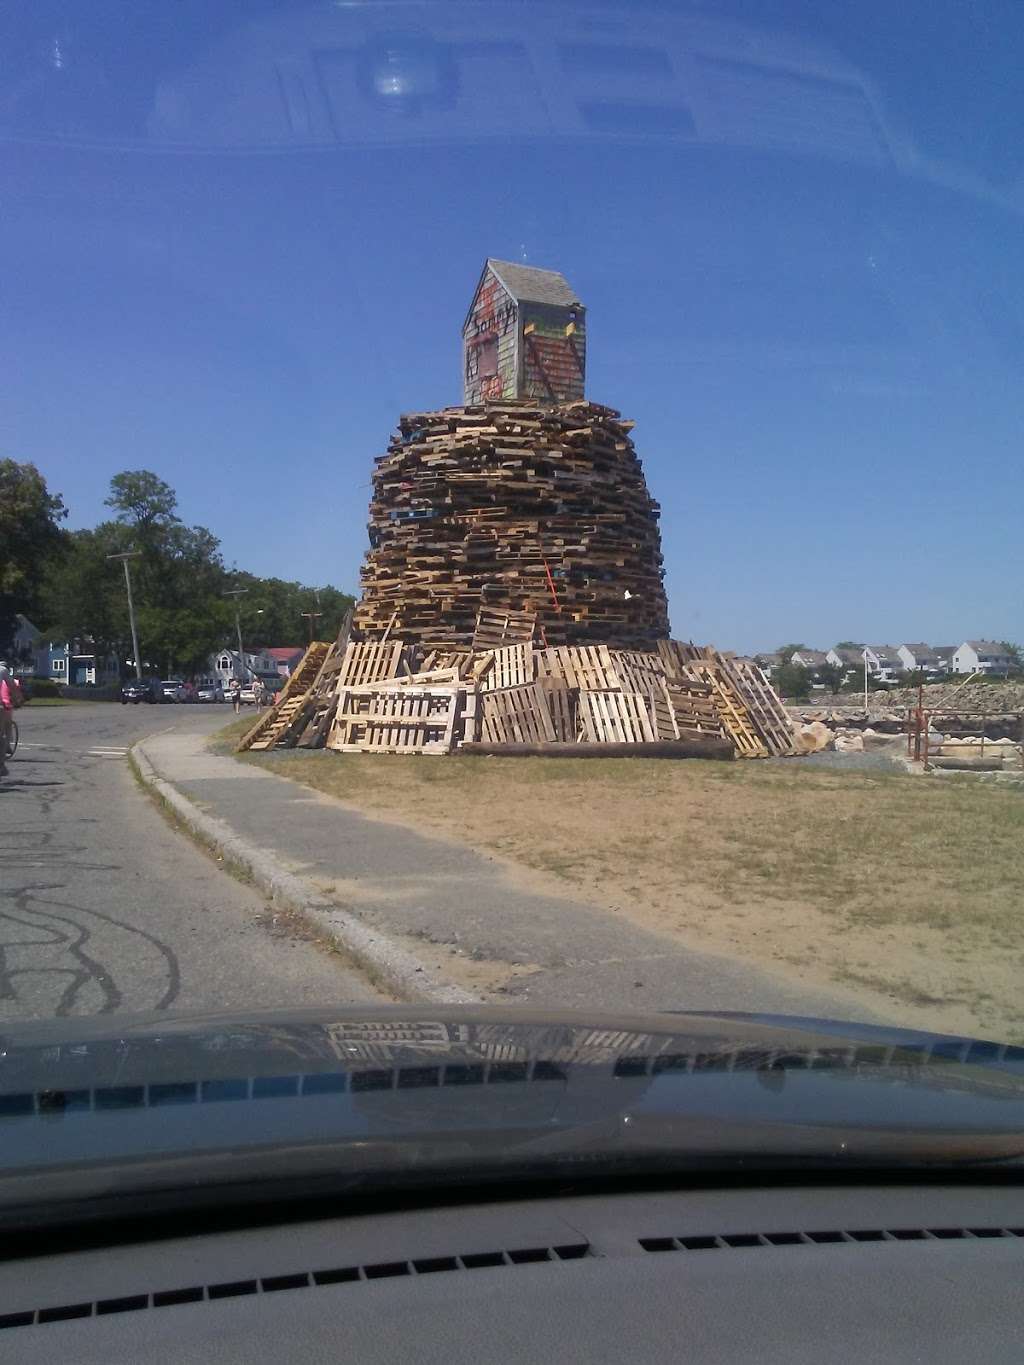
520	508
519	698
394	696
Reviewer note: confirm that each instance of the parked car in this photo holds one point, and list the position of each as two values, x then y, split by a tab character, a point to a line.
136	690
209	692
247	695
173	689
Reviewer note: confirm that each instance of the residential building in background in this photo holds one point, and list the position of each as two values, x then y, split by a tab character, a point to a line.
883	662
287	657
921	658
226	664
982	656
846	658
811	659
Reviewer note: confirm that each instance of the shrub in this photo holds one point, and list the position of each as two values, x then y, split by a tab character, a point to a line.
42	687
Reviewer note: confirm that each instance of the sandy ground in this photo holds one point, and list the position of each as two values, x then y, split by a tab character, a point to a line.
907	890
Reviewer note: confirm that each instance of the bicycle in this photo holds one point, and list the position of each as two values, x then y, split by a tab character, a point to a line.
12	739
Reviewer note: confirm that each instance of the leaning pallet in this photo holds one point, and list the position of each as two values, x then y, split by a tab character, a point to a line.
516	715
616	718
271	724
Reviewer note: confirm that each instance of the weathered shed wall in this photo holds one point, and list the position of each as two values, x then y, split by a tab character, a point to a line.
554	353
490	355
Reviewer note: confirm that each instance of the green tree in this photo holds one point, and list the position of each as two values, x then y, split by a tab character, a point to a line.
793	680
30	539
832	676
1014	651
849	644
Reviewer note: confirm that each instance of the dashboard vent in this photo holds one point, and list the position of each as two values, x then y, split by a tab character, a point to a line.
304	1279
826	1237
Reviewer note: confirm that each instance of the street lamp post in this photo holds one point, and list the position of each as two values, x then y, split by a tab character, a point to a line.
236	593
124	558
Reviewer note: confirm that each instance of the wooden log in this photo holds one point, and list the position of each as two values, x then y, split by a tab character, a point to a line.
680	748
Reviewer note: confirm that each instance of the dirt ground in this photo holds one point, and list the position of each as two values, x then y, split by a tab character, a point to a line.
908	890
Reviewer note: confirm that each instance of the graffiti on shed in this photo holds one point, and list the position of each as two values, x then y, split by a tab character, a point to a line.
524	336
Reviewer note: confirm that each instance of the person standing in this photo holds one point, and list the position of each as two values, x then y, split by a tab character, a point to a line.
235	690
6	715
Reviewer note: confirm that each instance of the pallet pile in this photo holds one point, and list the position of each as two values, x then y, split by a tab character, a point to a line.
750	709
523	509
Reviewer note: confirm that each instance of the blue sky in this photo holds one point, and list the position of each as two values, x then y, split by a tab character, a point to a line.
820	339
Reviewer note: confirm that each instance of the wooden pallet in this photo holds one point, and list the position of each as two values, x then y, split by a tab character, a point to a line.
615	718
369	662
496	627
516	715
662	709
634	670
730	706
459	659
395	720
695	711
510	666
320	712
563	707
588	667
764	706
272	724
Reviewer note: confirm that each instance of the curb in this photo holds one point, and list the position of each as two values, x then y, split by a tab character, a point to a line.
376	955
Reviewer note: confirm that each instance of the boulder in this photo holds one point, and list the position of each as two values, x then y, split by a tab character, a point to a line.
849	742
813	738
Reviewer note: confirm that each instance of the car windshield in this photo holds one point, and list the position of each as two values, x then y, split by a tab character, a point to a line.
530	495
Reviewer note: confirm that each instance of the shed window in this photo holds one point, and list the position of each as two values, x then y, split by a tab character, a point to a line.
487	358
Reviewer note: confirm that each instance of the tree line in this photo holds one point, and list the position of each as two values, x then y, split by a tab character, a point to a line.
66	584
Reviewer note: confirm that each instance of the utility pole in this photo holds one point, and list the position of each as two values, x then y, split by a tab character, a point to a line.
313	615
124	558
236	593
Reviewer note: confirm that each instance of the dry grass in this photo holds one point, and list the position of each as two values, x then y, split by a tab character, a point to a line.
906	890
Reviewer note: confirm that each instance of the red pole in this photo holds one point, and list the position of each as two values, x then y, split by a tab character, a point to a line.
551	584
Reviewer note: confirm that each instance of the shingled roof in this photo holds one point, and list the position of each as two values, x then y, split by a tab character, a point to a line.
528	284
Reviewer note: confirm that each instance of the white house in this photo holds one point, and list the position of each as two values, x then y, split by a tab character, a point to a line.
224	665
846	658
883	662
811	659
922	658
982	656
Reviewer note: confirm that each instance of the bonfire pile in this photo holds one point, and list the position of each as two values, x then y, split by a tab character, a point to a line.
519	506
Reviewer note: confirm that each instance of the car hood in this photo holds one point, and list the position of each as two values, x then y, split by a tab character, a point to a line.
95	1112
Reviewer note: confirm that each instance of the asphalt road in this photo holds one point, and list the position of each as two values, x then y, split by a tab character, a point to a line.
105	908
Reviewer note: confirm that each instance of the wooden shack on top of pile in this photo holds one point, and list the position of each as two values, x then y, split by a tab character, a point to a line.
526	498
524	336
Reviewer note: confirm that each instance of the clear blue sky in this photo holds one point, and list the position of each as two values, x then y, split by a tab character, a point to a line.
804	281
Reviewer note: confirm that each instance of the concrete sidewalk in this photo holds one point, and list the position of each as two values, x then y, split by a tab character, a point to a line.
436	920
